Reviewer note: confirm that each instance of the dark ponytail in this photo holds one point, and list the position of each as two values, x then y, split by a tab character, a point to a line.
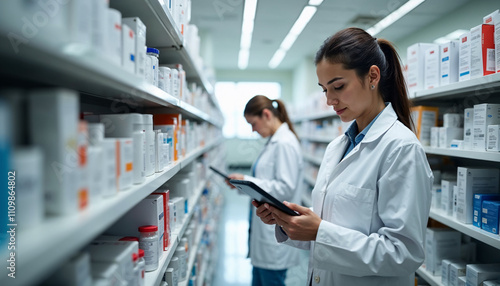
258	103
357	50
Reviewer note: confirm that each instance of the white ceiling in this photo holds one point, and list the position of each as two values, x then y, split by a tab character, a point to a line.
219	23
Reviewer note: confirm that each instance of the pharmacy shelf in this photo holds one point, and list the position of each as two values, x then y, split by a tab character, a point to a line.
320	139
192	254
62	236
84	71
431	279
467	154
163	34
196	153
320	115
309	180
312	159
468	229
483	86
153	278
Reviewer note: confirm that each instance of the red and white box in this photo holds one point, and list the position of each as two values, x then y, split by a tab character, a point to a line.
431	73
449	63
464	57
416	65
166	218
482	50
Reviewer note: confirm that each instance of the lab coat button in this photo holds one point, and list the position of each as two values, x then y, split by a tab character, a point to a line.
316	279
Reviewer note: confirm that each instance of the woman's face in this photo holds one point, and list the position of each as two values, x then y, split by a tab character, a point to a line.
260	124
344	91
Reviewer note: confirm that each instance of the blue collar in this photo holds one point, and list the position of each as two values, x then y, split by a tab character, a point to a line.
354	137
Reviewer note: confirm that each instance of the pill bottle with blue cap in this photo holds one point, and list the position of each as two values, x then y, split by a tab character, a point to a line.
154	54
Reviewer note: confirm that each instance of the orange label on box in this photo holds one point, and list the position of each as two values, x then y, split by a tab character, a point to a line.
83	199
128	167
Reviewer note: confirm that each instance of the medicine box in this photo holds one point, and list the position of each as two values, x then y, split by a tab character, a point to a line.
424	117
119	252
128	49
416	66
111	160
449	62
464	57
462	281
453	120
468	127
447	134
489	215
457	144
431	72
139	29
478	206
108	272
477	273
447	196
114	36
472	181
457	270
455	201
493	138
125	147
440	244
491	283
54	127
149	211
496	21
180	207
488	19
484	114
435	137
445	270
482	47
166	211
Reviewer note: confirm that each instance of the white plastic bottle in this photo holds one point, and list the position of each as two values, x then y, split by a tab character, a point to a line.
142	268
148	241
150	144
154	54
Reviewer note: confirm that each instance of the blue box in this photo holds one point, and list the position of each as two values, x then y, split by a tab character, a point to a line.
477	206
490	212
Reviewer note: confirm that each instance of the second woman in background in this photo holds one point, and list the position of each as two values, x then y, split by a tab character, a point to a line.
278	171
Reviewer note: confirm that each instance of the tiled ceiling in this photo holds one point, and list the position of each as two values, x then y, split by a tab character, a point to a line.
220	21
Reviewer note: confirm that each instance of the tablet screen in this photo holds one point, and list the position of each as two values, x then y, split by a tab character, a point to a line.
261	196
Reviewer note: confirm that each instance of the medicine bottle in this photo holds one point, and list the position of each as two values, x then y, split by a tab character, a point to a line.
148	241
142	268
155	56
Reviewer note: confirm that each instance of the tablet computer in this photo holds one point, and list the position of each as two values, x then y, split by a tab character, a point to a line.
220	173
261	196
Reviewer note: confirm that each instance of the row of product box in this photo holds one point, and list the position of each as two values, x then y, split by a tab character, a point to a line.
477	129
67	165
135	244
103	32
475	54
470	195
455	261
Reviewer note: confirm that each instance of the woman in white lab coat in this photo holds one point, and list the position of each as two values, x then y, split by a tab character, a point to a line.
372	195
277	170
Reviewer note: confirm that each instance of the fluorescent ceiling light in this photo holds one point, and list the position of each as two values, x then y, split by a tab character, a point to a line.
394	16
243	59
315	2
297	28
450	37
277	58
246	32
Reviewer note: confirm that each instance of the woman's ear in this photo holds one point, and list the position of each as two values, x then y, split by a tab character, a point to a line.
267	114
374	75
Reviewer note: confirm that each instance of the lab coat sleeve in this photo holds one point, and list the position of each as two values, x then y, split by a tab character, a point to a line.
281	237
286	171
403	202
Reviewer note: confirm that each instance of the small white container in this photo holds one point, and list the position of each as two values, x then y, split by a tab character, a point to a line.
139	29
128	49
183	259
150	144
158	151
110	165
114	36
142	268
154	54
167	81
139	138
148	241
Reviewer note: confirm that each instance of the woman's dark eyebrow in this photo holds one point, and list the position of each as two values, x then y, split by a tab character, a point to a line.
331	81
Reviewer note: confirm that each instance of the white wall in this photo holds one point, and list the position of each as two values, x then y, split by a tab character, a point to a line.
304	81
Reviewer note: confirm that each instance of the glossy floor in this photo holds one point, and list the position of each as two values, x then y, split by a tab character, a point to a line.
233	268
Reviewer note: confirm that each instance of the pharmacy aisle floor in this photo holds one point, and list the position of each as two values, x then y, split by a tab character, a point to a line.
234	268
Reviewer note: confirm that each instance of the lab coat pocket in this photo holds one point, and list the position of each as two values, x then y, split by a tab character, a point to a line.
353	207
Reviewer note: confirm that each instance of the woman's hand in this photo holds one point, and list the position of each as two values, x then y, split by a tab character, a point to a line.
263	213
303	227
234	176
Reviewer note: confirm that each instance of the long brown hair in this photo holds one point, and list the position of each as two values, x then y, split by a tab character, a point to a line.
258	103
357	50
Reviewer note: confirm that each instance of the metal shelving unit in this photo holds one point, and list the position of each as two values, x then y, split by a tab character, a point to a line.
466	154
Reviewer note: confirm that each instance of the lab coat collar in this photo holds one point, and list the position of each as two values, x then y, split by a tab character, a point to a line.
386	119
278	134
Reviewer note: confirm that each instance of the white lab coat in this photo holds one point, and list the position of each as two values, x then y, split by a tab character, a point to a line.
374	206
278	170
